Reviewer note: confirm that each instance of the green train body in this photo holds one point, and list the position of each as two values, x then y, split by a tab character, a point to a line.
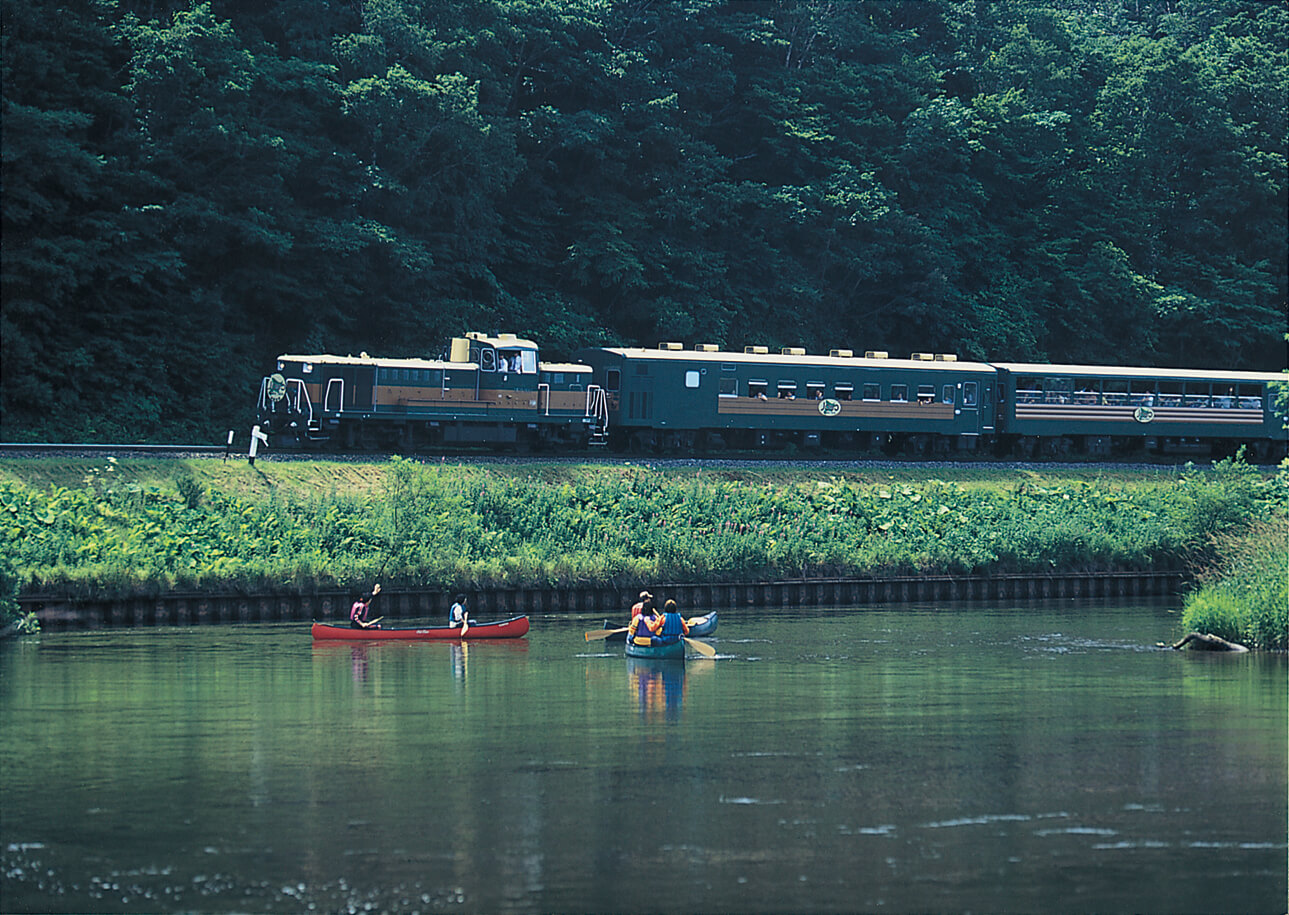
493	390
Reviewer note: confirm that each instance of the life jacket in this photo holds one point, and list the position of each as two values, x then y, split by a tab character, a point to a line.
673	627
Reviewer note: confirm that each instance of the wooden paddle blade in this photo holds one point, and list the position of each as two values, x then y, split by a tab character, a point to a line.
702	648
595	634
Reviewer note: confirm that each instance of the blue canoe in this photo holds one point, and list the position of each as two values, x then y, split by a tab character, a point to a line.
674	649
698	626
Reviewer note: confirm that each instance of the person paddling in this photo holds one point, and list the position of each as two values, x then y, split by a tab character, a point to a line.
670	627
358	612
458	616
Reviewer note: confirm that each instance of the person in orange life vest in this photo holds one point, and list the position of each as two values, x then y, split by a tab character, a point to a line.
642	622
358	612
670	627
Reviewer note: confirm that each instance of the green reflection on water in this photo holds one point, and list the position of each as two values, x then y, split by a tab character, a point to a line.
911	758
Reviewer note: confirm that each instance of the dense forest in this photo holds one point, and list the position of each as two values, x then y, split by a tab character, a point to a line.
191	188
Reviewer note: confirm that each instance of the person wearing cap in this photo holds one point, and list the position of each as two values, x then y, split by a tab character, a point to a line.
643	616
358	612
638	607
669	627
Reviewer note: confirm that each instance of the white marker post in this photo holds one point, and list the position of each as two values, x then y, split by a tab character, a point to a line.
228	447
256	437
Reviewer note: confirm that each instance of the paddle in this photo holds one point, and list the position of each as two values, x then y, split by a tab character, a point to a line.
465	623
595	634
702	648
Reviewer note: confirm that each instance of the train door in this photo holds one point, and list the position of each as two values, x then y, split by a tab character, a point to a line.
358	383
971	406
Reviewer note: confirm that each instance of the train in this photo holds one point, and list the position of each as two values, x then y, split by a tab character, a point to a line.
493	391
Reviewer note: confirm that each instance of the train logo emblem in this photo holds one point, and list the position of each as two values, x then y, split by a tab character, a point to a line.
830	407
1143	414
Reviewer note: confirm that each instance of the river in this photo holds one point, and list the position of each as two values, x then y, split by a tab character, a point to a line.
959	758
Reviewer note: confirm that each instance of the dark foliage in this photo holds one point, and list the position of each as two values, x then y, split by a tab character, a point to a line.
191	188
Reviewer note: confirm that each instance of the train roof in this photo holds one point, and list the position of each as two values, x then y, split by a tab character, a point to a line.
801	359
363	359
1130	371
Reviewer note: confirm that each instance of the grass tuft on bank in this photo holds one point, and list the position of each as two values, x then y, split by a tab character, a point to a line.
1246	599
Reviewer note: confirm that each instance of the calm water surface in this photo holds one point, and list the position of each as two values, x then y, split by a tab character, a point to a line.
1039	758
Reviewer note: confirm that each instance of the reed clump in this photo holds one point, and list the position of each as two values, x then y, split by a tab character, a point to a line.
442	526
1245	598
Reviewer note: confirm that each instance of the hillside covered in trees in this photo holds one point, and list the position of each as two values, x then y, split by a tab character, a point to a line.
191	188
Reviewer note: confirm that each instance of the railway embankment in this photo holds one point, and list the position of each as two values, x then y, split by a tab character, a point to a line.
146	542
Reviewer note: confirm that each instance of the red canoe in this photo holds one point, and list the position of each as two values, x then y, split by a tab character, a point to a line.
513	628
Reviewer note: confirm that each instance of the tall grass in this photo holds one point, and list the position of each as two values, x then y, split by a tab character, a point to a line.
442	526
1247	600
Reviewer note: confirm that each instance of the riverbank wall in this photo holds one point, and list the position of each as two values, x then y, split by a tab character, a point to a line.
201	609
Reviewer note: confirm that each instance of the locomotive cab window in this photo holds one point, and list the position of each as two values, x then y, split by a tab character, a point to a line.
613	380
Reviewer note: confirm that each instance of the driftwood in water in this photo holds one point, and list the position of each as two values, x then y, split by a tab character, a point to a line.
1205	642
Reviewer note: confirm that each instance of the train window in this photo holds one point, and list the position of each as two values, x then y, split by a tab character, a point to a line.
527	362
815	390
757	389
1057	390
1115	392
1196	394
844	390
1029	389
691	379
729	387
1250	396
872	392
612	380
1170	393
969	394
488	359
1143	392
787	390
1087	391
926	393
947	394
899	393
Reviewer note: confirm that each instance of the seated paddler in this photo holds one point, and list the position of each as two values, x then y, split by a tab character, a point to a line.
668	628
640	628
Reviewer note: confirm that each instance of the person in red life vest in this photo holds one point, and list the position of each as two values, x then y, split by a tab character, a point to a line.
669	628
358	612
640	628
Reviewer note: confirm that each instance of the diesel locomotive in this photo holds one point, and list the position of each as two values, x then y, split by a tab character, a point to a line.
493	390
